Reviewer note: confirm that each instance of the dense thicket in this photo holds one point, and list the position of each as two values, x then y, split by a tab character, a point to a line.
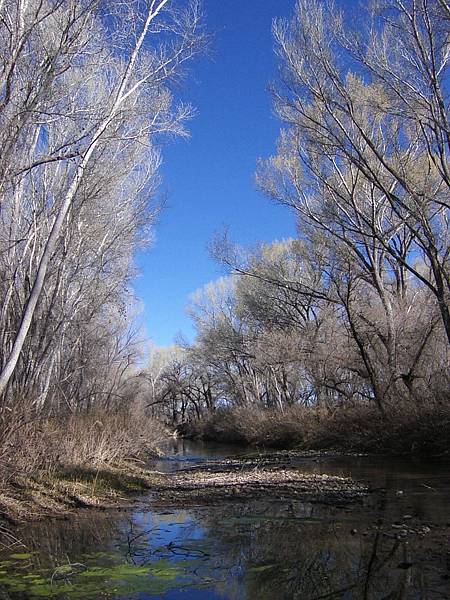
355	312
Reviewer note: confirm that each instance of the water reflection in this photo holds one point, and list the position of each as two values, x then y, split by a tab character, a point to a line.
394	547
310	554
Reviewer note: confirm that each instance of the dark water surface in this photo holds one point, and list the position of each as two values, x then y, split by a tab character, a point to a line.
394	546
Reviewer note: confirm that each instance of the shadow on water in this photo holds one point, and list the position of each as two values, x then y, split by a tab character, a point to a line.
395	546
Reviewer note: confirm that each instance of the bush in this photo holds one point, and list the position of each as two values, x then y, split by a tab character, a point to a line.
408	429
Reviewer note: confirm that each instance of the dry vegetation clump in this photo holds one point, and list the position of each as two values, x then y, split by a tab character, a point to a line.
47	465
110	438
416	429
247	425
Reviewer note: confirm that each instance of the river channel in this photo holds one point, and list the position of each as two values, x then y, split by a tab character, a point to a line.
394	545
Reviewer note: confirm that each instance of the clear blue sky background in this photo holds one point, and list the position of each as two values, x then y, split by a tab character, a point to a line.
208	180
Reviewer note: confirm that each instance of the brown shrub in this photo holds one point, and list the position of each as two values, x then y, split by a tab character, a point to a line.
417	429
421	429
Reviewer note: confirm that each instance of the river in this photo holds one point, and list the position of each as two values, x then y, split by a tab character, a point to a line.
393	546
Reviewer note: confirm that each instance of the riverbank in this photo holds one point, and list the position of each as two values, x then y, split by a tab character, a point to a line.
107	487
55	466
118	485
419	429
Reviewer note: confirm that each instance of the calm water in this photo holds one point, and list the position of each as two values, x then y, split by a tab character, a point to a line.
256	550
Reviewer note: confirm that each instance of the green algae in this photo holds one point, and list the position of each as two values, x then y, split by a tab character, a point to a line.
96	581
22	556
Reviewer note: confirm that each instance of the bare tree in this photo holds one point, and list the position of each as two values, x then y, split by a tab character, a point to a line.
365	153
85	96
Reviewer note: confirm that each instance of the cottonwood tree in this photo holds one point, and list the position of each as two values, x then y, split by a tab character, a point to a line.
85	95
365	152
225	341
180	386
364	165
312	330
298	323
317	290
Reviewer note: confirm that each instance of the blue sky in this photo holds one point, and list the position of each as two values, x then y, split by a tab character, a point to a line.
208	180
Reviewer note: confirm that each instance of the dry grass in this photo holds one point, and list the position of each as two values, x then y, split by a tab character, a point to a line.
249	425
52	465
411	429
415	429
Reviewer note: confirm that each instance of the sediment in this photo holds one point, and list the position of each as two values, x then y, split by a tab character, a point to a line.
258	477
